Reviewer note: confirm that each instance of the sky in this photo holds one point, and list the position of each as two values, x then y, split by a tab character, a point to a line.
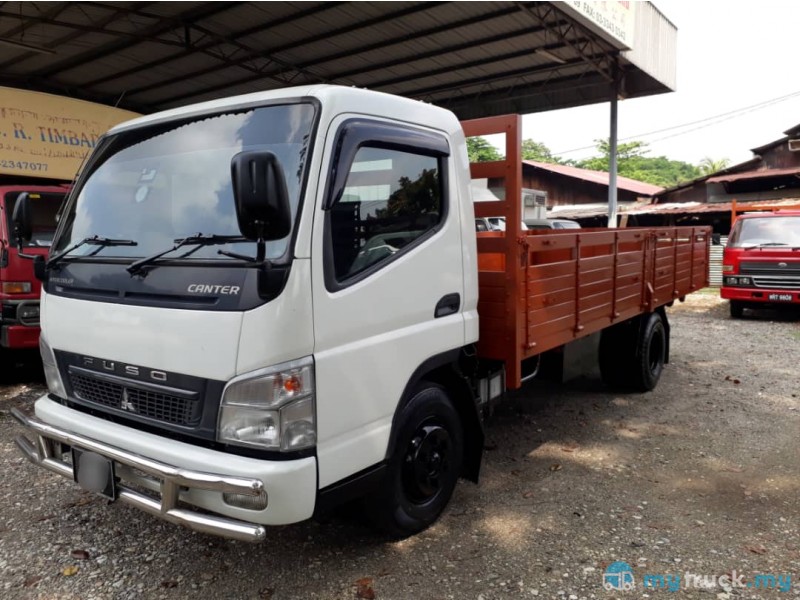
731	55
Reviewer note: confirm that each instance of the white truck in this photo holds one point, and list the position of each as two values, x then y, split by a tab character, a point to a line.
260	307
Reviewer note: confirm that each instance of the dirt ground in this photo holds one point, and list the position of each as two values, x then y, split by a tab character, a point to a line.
700	476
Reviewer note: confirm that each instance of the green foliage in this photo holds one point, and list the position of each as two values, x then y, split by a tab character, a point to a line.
632	162
414	197
480	150
709	165
532	150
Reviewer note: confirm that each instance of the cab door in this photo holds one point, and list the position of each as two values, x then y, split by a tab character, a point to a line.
387	281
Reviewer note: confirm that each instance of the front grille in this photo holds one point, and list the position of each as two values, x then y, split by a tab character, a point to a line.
135	400
789	269
787	282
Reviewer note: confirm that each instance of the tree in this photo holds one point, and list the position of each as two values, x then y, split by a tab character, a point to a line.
709	165
480	150
533	150
632	162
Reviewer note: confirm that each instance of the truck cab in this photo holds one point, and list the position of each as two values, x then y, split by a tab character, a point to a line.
260	362
761	262
19	289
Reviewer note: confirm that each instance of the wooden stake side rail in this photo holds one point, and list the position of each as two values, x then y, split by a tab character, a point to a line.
576	282
539	290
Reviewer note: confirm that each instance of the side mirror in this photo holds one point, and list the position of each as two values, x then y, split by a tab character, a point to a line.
22	217
40	267
716	239
262	200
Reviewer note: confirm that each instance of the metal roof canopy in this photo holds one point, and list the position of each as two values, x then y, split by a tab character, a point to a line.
475	58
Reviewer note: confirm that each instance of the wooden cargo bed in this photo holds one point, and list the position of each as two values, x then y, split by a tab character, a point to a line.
541	289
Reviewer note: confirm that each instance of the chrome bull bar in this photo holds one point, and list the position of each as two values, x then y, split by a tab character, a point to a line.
172	480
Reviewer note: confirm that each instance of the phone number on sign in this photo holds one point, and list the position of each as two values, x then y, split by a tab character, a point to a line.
21	164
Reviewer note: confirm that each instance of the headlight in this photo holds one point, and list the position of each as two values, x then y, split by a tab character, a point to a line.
51	374
272	408
738	281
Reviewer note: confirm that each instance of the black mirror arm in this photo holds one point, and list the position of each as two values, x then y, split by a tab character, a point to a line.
20	251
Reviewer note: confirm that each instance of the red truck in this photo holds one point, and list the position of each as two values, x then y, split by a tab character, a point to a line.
761	263
19	289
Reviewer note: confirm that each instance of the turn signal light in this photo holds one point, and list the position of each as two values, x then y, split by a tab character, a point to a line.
16	287
292	384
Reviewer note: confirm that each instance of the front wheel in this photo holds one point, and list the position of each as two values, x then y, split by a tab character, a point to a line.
737	309
424	467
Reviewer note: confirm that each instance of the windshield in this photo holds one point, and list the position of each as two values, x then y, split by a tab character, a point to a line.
769	231
164	183
45	206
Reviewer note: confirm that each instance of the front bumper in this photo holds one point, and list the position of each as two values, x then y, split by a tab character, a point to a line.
760	295
19	336
168	479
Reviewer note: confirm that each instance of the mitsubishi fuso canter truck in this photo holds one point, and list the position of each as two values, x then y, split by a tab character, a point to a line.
261	307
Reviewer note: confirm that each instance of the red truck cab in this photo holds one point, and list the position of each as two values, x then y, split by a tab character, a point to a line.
761	263
19	289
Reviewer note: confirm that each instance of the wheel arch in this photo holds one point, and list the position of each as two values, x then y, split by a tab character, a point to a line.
446	370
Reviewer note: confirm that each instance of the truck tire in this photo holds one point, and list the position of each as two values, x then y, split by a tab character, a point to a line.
632	358
737	309
422	473
651	354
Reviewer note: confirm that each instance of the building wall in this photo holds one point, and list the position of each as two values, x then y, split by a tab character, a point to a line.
563	190
780	157
777	157
694	193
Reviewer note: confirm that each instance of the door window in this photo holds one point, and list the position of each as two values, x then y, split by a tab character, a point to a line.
391	199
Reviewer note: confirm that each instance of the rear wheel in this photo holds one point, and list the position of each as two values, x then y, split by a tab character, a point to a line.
737	309
424	468
651	354
632	355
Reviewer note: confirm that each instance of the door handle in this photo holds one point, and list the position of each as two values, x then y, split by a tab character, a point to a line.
448	305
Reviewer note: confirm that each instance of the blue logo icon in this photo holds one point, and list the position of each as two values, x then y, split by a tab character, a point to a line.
618	576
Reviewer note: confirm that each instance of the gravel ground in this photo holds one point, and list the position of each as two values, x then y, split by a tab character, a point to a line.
702	475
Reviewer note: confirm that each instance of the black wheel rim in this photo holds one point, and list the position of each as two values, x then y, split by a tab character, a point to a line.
426	464
655	353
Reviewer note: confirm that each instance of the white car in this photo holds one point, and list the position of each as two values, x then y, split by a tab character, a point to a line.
493	224
552	224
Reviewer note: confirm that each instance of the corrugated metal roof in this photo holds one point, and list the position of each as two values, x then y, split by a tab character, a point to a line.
598	177
476	58
756	174
706	207
578	211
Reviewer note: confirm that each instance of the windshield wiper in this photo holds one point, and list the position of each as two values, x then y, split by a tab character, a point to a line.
198	240
95	240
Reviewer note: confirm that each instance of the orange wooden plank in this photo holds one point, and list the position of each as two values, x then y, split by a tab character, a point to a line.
488	170
495	208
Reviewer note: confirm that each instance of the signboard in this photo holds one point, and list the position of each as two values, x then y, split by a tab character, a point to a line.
614	19
48	136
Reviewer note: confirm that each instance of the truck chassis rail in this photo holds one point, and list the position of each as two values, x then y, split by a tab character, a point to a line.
172	480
